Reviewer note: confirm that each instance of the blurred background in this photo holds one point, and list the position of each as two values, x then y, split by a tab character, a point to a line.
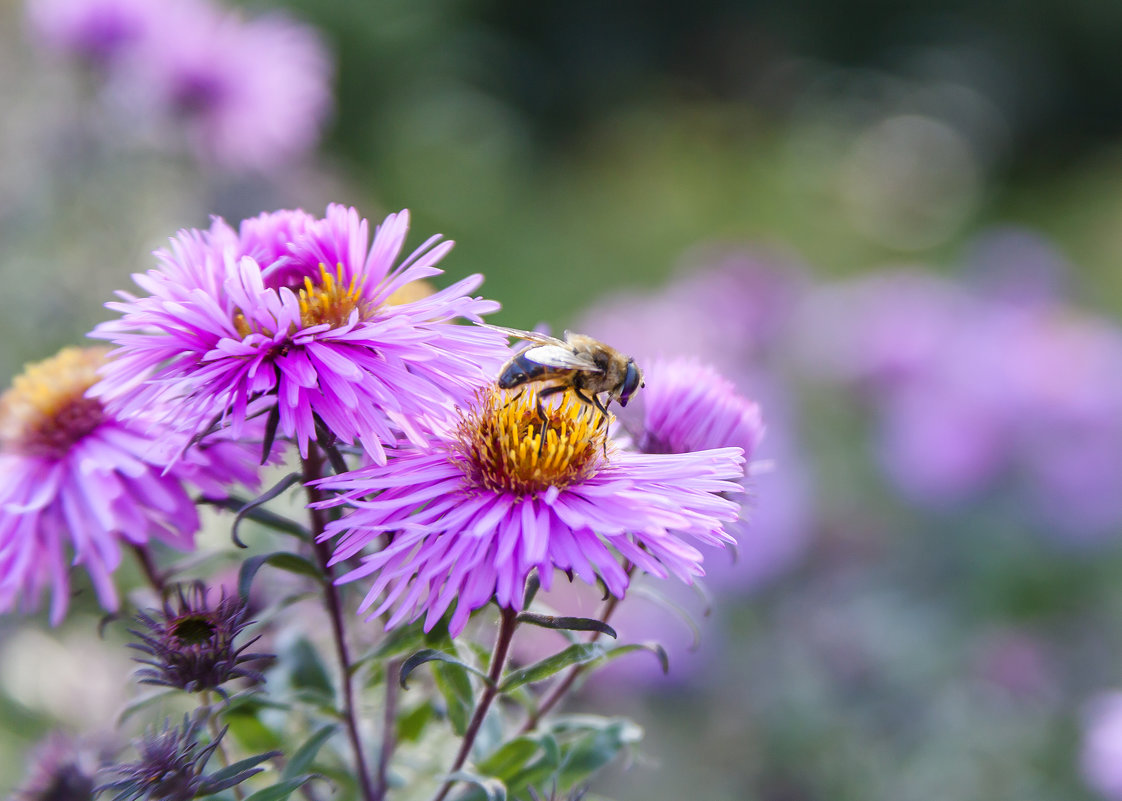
896	226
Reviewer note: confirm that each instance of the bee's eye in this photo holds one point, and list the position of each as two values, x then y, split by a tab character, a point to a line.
632	380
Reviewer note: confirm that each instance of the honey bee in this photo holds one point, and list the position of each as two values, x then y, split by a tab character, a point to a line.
579	363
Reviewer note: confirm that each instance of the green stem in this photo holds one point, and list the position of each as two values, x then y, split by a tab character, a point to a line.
507	625
313	469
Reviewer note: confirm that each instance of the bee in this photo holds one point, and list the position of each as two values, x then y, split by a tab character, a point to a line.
579	363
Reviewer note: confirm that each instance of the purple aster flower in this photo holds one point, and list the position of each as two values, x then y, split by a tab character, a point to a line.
506	492
171	767
248	94
76	482
191	645
303	315
97	31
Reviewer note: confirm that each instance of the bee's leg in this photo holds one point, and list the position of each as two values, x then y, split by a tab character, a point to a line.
545	393
516	397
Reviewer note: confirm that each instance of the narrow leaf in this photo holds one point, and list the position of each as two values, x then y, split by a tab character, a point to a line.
281	790
432	655
653	647
567	623
230	771
260	500
304	757
578	654
282	560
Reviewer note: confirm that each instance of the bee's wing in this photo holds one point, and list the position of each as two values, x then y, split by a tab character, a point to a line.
529	336
560	356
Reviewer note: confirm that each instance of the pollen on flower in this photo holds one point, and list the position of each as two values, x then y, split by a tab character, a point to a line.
332	300
46	412
500	440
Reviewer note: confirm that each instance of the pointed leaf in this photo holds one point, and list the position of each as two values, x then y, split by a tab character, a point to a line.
282	560
432	655
567	623
306	754
281	790
578	654
232	771
509	758
653	647
261	500
398	641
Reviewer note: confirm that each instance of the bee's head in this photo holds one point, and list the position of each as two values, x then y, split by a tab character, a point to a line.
632	380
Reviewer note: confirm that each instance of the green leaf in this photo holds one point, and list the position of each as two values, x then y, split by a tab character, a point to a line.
454	684
253	506
305	755
433	655
307	670
398	641
216	781
493	789
567	623
251	734
411	725
598	744
509	758
281	790
541	770
282	560
577	654
653	647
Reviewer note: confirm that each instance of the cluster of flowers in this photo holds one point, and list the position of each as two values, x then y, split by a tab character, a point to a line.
973	388
301	328
292	329
246	94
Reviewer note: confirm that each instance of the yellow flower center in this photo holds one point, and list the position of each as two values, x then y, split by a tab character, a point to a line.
329	301
46	412
509	446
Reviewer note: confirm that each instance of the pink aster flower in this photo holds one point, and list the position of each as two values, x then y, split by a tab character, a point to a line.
467	519
308	316
76	483
689	407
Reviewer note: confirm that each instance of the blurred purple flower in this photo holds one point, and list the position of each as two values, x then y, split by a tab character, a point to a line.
61	769
246	94
77	482
969	389
301	313
97	31
1101	757
469	518
249	94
